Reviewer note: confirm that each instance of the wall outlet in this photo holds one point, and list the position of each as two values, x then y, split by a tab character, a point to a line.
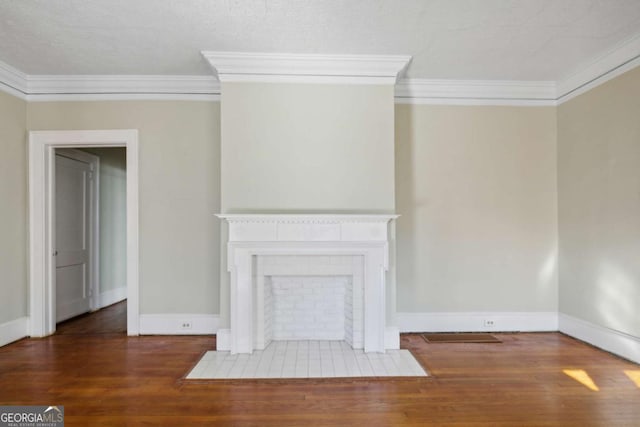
489	323
186	324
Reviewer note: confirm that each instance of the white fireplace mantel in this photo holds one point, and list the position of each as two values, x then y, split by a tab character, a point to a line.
256	235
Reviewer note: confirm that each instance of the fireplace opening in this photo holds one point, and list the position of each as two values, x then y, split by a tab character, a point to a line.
308	308
309	298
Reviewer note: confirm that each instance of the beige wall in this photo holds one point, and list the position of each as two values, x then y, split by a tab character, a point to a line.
599	204
179	192
13	209
306	147
113	217
476	188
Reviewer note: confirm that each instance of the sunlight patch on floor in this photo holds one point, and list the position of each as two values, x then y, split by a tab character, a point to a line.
634	376
582	377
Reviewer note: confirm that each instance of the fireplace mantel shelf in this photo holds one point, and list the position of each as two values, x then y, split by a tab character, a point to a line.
308	218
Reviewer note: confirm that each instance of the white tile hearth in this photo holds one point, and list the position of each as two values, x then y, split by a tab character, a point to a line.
306	359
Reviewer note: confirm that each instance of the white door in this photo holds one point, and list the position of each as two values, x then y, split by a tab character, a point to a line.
73	220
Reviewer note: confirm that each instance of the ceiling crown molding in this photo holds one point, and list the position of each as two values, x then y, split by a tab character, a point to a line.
305	68
375	69
622	58
13	80
107	87
111	84
475	92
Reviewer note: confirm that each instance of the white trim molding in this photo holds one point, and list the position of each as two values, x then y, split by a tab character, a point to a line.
42	145
223	339
600	70
314	68
13	81
112	296
616	342
46	88
475	92
71	97
122	84
179	324
306	68
491	321
14	330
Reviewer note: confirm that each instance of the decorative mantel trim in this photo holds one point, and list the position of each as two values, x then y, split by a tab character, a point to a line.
307	218
306	68
258	235
309	227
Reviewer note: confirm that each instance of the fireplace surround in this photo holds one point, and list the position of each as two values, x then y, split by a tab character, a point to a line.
305	251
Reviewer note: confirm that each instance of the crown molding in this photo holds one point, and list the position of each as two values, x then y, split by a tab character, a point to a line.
345	69
107	87
475	92
121	84
306	68
65	97
12	80
613	63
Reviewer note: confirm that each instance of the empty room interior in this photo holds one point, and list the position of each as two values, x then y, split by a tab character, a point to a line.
274	213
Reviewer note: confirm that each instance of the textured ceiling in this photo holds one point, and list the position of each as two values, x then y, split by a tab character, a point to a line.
448	39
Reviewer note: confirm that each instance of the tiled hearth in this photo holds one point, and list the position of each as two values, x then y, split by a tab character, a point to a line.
306	359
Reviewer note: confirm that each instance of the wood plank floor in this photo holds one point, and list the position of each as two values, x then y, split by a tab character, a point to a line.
104	378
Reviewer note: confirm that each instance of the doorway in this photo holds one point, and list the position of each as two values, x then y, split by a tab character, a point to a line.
42	263
76	232
90	233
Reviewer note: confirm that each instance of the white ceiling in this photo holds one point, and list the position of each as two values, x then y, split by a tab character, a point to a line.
448	39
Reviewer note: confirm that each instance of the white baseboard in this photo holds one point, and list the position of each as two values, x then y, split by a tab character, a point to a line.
391	338
14	330
172	324
223	340
112	296
616	342
476	322
65	310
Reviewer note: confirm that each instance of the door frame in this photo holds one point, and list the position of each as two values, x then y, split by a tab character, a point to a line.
94	221
42	145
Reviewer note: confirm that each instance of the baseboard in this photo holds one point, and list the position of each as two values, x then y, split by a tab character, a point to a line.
391	338
492	321
112	296
223	340
14	330
65	310
616	342
179	324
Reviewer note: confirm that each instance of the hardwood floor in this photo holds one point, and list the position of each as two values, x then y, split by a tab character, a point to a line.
109	320
105	378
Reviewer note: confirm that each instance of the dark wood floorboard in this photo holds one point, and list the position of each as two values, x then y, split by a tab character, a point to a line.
109	320
109	379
